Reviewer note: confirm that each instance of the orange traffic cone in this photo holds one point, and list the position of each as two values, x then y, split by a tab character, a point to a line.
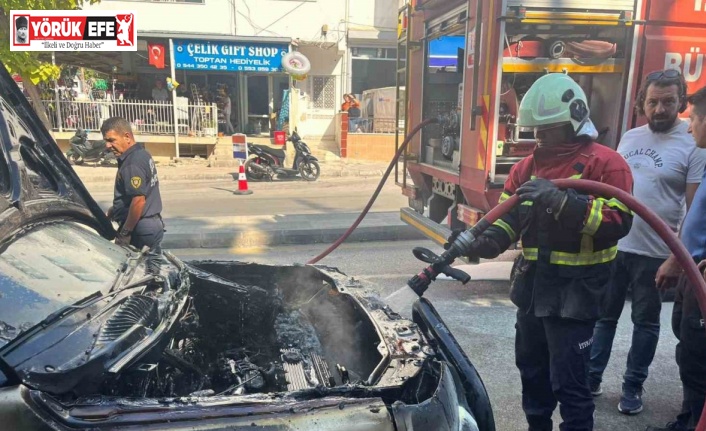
242	182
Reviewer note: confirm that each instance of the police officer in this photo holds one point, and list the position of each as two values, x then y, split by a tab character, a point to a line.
569	240
687	321
137	203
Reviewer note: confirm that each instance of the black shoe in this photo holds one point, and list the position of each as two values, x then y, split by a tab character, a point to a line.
671	426
596	389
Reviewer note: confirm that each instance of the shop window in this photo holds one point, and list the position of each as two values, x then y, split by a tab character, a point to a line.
372	67
258	95
369	74
379	53
323	92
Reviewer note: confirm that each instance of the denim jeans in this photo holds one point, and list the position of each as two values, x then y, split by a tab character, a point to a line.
638	273
353	124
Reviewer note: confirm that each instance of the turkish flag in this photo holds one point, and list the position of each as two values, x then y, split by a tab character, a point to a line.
156	54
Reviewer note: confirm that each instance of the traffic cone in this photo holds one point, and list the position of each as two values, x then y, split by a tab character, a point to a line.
242	182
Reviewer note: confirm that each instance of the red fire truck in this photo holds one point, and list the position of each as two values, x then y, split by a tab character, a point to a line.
454	172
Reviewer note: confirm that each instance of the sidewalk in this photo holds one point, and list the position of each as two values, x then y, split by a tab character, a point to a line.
199	169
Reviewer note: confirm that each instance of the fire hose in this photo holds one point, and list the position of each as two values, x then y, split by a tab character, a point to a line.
442	264
374	197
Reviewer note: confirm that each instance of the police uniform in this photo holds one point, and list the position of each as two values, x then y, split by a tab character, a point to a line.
687	321
137	176
688	327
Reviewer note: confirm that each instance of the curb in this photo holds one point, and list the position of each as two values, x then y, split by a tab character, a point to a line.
222	238
231	176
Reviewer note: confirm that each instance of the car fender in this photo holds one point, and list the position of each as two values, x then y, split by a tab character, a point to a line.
433	327
445	410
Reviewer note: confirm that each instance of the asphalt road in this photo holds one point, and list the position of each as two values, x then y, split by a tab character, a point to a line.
199	198
483	323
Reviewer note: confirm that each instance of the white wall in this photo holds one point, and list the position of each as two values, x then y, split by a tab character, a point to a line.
212	17
378	14
291	18
279	18
319	124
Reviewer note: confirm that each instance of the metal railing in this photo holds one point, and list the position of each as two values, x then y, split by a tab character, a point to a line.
374	125
146	117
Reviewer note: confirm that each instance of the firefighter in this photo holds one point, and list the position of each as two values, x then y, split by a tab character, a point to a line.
687	321
569	240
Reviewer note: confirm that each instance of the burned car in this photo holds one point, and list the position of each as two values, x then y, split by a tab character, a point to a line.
89	339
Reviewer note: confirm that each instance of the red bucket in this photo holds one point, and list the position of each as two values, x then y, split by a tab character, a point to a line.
280	138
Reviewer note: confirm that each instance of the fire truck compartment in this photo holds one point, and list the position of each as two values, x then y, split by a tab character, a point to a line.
579	5
443	91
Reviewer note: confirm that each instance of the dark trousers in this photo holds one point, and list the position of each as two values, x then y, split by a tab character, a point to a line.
149	232
552	355
694	395
687	324
638	273
692	372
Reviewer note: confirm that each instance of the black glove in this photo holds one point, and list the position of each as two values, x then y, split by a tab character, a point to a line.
483	247
545	193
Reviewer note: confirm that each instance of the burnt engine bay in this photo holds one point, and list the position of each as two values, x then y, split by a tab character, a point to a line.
273	335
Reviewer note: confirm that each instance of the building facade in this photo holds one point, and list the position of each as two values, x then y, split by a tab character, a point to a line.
231	49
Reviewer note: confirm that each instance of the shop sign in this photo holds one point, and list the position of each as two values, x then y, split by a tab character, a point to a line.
228	56
72	30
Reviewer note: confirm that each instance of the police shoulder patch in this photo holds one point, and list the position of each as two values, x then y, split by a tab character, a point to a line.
136	182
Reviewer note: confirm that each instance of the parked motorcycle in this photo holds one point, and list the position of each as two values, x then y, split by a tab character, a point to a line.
268	162
82	150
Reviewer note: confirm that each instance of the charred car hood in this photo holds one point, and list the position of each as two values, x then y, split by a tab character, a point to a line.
36	181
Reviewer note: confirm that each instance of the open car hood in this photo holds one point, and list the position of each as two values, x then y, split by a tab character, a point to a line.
36	181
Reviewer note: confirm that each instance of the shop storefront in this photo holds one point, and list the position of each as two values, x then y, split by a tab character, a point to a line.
245	80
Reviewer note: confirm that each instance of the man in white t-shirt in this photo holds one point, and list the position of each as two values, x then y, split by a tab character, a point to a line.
159	93
667	168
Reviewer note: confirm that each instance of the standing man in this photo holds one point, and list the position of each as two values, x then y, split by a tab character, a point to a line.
227	111
159	93
137	203
569	240
687	321
667	168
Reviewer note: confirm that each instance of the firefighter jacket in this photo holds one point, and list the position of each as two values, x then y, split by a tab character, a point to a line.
566	260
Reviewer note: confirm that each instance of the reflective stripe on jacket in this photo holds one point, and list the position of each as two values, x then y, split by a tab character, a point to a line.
581	244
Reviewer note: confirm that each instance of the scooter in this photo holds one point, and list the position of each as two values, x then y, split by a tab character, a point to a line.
268	162
82	150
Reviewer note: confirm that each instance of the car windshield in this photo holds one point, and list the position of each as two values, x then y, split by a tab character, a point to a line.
49	267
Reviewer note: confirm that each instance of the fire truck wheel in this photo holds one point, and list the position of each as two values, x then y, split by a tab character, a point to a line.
556	49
